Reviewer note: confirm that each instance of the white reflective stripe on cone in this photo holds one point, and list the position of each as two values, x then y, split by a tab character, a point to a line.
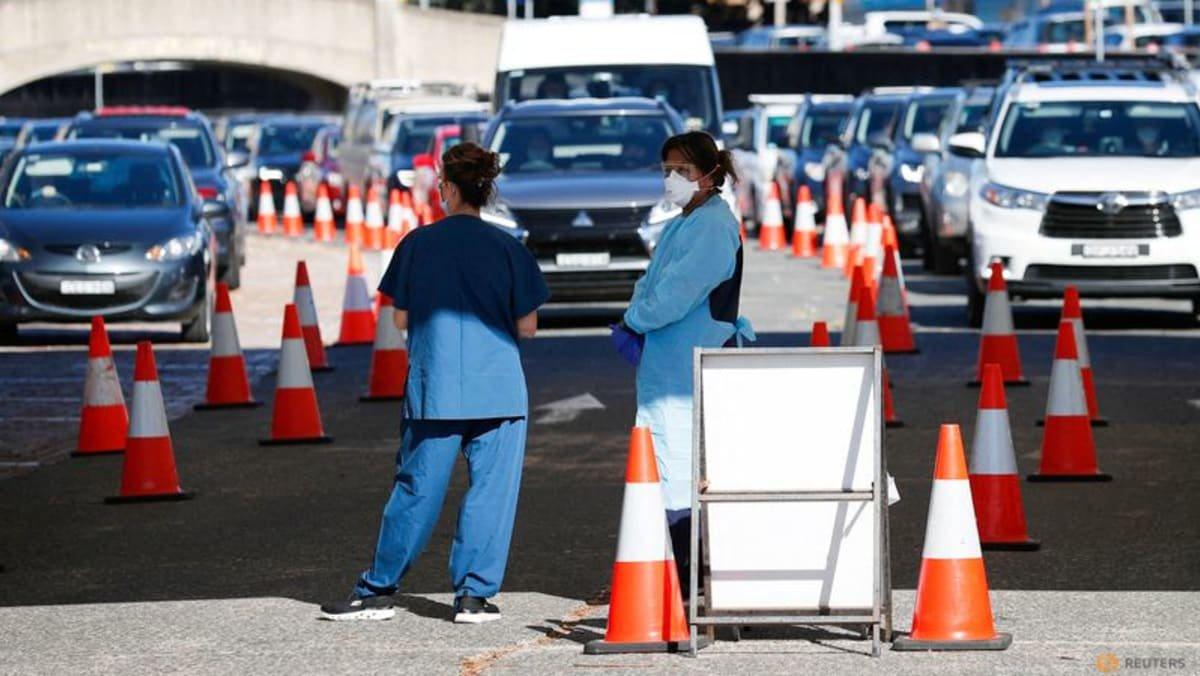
875	244
293	366
835	230
858	233
224	336
1084	360
354	211
848	326
643	535
1066	389
385	257
147	416
102	387
395	217
305	307
356	296
324	210
374	215
805	217
951	532
866	334
997	317
890	302
266	204
291	206
387	336
992	449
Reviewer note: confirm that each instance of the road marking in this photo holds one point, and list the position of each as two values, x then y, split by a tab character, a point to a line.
566	410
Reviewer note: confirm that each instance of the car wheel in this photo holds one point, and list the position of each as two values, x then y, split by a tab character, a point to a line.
928	257
975	297
945	260
196	330
232	274
8	333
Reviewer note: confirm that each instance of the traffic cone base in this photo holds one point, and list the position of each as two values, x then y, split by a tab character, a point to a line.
285	429
112	420
951	604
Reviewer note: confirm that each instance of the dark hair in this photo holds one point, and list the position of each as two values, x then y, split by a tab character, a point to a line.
701	150
473	171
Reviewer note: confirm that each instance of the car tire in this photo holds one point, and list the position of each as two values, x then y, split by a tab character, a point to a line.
975	297
8	333
196	330
232	274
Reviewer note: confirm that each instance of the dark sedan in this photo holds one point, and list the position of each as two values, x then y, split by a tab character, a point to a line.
106	227
277	150
583	179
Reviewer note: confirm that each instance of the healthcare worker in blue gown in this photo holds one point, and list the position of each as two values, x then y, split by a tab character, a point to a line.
688	298
466	291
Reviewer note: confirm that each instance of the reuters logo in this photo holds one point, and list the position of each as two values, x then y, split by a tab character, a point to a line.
1107	663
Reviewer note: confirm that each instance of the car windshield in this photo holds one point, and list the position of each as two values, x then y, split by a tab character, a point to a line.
44	132
970	117
412	135
238	136
777	130
111	180
1100	129
9	130
1058	32
924	116
876	117
689	89
290	139
821	128
190	139
581	143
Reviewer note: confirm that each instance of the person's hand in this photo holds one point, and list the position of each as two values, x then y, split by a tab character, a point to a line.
627	343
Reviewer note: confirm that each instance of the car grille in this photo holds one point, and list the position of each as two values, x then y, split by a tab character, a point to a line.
613	230
131	288
105	248
1106	273
1077	215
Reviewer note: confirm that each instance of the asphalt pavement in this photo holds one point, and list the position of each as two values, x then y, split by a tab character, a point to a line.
228	581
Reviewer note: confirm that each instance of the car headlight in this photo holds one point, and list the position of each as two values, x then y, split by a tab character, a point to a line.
9	253
499	214
1186	200
406	177
956	183
862	173
268	174
814	170
1013	198
651	230
175	248
912	173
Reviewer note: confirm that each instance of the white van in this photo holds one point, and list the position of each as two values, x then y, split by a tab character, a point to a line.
658	57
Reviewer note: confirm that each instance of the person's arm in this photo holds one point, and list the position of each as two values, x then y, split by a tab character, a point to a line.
527	325
400	319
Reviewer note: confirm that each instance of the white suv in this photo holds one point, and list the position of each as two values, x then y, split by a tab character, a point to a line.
1090	176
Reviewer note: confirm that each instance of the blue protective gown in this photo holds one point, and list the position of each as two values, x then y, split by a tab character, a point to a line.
687	299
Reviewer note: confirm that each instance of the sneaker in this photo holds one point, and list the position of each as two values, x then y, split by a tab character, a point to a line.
474	610
355	608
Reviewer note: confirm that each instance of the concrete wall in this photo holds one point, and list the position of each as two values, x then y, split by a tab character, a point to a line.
343	41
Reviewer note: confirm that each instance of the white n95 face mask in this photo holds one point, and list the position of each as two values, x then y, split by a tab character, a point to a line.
678	190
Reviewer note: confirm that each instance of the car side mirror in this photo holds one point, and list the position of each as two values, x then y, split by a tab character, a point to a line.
968	144
213	209
926	143
235	159
880	140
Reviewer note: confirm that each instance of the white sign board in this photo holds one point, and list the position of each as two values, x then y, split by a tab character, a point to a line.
795	421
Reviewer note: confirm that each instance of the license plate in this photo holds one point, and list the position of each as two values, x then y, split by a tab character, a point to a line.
582	260
1110	250
87	287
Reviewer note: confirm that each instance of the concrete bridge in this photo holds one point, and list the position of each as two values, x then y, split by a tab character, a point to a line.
339	41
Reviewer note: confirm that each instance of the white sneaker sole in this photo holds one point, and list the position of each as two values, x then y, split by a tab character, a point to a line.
372	614
475	618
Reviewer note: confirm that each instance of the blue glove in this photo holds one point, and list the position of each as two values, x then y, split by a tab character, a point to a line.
627	343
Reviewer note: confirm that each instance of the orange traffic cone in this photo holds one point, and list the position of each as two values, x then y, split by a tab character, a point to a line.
373	226
310	327
1068	449
866	334
296	418
389	359
323	228
894	326
851	316
293	224
820	335
804	230
998	343
646	611
858	236
395	220
358	317
871	252
1072	312
228	385
995	488
411	222
354	216
148	472
266	208
953	611
770	229
104	419
835	243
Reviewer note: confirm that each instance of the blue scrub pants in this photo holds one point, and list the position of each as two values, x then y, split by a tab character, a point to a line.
495	452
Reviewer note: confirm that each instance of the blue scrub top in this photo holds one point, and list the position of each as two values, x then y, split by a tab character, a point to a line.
464	284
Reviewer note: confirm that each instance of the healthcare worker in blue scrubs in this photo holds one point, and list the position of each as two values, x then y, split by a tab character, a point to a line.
466	292
688	298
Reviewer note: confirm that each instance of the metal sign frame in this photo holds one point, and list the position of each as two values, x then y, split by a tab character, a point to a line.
877	619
